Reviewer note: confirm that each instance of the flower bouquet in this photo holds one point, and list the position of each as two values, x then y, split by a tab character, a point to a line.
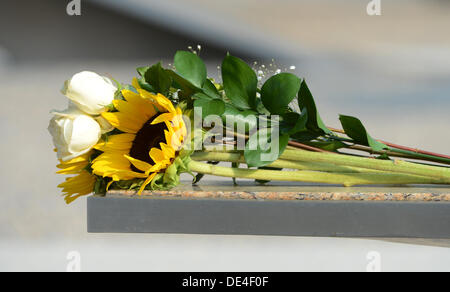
263	122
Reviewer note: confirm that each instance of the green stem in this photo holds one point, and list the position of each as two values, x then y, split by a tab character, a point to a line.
392	152
397	166
280	163
421	156
345	179
413	153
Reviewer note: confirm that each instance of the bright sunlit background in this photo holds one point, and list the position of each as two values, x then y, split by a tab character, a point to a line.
392	71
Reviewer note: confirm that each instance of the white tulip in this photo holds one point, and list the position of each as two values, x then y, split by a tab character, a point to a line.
90	92
74	133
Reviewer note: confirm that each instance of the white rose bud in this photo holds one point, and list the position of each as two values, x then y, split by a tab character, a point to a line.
90	92
74	133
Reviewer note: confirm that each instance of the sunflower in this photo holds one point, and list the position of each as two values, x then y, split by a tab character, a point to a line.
153	134
80	185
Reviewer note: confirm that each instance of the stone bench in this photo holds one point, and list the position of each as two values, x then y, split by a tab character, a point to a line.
280	210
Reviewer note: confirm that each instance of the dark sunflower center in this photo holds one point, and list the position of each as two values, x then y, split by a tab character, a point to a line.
147	138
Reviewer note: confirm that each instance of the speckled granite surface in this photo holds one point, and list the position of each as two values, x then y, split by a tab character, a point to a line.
277	210
223	190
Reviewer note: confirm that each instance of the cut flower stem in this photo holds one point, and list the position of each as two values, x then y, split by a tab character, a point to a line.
318	169
280	163
396	166
411	152
346	179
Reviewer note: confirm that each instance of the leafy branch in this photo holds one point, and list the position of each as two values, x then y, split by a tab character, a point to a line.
305	143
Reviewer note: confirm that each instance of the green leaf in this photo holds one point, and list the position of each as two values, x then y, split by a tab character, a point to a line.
159	79
157	183
328	146
259	149
260	108
279	91
384	156
201	95
210	89
210	107
145	85
306	101
233	117
292	123
305	135
171	176
185	85
191	67
356	130
142	70
240	82
100	185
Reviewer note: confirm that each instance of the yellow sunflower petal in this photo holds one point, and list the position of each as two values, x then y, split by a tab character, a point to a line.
169	136
156	155
147	181
116	166
182	130
124	123
163	118
128	94
144	105
73	184
122	138
110	162
70	198
109	185
119	147
120	142
173	139
139	164
82	158
177	120
77	186
132	109
135	83
168	151
165	102
150	97
160	166
112	158
73	169
118	175
64	165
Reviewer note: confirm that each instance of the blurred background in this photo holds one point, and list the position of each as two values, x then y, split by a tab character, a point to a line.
392	70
